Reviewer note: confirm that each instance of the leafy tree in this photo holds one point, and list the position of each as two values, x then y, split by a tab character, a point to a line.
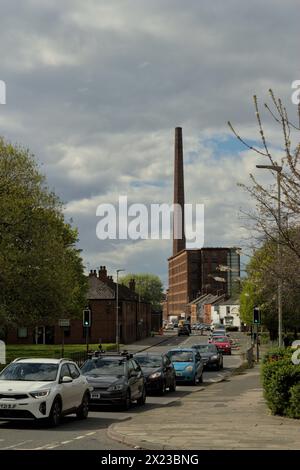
41	271
148	286
260	288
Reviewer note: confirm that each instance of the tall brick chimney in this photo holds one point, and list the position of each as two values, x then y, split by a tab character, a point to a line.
178	218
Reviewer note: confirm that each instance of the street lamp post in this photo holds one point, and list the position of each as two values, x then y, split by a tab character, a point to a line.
278	170
117	311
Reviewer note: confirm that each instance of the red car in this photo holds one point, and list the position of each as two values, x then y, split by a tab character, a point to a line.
222	343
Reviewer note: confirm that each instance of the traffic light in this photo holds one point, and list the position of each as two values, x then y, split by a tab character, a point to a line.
256	316
86	318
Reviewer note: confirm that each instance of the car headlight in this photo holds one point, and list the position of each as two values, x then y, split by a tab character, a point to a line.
115	388
155	375
40	393
189	368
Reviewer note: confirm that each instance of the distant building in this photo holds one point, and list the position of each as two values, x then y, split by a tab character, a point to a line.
196	272
199	309
134	317
227	312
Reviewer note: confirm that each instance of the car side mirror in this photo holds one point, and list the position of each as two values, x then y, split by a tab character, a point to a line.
66	380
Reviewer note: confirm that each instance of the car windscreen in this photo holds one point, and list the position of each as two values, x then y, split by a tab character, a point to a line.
103	366
33	372
221	339
203	348
181	356
148	361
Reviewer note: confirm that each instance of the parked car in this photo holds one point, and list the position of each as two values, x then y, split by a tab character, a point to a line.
219	332
183	330
222	343
210	354
169	326
116	379
188	365
43	389
158	371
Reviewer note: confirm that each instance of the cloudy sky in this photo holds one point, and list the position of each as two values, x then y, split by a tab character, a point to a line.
96	87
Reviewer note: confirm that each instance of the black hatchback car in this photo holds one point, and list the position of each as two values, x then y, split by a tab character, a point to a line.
211	355
159	372
116	379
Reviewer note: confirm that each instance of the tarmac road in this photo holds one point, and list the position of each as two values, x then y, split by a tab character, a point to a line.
91	434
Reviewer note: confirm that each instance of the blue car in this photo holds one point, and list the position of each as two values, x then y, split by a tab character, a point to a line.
188	365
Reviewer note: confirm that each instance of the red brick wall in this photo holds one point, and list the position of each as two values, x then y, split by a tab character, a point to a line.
103	324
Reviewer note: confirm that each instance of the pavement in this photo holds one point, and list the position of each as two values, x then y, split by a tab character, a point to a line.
228	415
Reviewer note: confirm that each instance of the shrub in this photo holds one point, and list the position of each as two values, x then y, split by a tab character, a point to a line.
294	409
276	354
281	383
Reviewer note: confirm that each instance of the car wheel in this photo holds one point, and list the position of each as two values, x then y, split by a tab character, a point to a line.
83	410
127	402
221	366
142	400
201	379
55	413
172	387
218	367
194	381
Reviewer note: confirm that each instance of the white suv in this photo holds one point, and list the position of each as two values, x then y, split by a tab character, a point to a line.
43	389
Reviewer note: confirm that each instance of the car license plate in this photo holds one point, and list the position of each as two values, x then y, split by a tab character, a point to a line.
95	396
178	373
6	406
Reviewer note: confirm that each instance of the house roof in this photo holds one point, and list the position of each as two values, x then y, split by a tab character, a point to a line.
99	290
207	299
229	301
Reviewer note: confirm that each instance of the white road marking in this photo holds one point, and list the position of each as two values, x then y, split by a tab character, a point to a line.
16	445
53	446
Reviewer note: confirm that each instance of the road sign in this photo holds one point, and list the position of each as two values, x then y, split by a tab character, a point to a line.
86	317
64	322
256	315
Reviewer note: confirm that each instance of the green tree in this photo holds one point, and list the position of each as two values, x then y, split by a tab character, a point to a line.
148	286
260	288
41	271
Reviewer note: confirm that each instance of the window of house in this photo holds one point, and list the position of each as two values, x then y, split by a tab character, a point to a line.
22	332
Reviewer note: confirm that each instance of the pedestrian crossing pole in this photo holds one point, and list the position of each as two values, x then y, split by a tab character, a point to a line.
256	321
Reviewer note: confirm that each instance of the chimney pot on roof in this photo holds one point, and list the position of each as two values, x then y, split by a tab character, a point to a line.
102	274
132	285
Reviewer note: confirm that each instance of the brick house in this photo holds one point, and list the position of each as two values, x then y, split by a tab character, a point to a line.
134	317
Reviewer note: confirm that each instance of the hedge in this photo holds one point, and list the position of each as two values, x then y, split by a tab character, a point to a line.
281	383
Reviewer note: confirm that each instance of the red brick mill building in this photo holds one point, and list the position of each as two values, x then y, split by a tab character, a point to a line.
134	317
